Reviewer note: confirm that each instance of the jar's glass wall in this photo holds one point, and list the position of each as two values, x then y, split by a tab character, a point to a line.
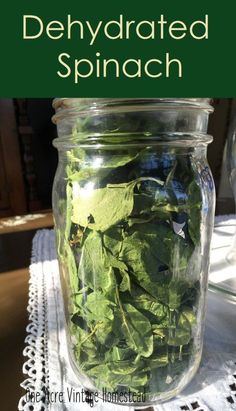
134	217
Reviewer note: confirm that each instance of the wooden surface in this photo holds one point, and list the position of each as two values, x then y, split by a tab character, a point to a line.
13	303
15	252
12	188
26	222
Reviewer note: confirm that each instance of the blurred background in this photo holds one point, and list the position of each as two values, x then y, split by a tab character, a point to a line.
27	166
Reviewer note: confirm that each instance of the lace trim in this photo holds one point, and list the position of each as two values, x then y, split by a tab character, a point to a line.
36	351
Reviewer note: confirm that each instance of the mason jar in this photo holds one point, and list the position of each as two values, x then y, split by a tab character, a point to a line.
133	204
231	166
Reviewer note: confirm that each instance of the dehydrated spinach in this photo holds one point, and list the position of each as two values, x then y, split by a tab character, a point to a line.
133	300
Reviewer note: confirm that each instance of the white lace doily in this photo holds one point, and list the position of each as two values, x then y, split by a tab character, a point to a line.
47	365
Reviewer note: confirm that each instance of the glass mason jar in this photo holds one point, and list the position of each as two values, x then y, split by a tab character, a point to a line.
231	166
133	202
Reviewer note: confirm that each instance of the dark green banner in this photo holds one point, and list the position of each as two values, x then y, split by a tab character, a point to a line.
118	49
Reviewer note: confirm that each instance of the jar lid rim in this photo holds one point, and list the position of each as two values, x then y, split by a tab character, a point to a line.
93	106
81	103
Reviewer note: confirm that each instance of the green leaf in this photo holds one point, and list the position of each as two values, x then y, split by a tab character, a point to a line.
112	239
136	328
68	211
99	308
182	332
101	167
158	360
72	267
194	220
101	208
118	354
93	270
84	345
149	305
